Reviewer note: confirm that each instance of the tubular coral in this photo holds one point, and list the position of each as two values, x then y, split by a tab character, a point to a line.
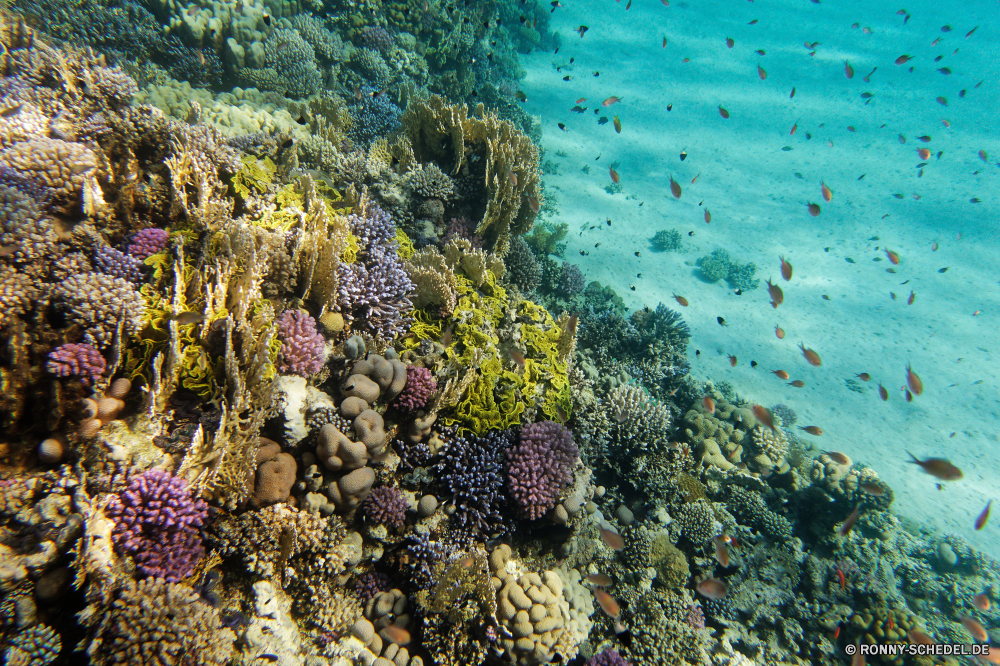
420	386
77	360
301	345
385	506
540	466
158	521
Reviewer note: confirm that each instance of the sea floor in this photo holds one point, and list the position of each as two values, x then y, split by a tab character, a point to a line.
845	299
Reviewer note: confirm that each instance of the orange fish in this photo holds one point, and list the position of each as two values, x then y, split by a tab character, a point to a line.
984	516
882	392
709	404
680	299
939	468
722	549
581	100
913	381
981	601
764	415
794	127
777	296
675	188
732	360
842	578
848	70
893	257
712	588
517	357
614	175
512	177
859	658
693	180
849	523
613	540
839	458
924	153
602	580
992	658
863	376
903	59
798	383
786	270
723	112
533	203
780	332
984	156
814	209
812	430
611	100
397	635
729	42
827	194
811	356
912	298
761	73
607	603
873	489
917	636
781	374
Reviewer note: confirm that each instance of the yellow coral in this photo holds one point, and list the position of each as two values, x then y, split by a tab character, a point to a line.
404	245
254	175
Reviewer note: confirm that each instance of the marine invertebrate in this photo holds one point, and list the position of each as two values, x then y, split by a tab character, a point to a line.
117	264
420	386
435	283
24	228
638	421
540	466
374	117
153	621
750	508
472	470
147	242
38	645
523	269
607	657
430	182
370	583
786	414
293	60
96	302
571	280
60	168
719	265
77	360
327	43
158	521
385	506
17	293
301	345
376	37
666	240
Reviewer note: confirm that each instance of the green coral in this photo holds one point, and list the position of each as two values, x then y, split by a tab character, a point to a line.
254	175
548	238
719	265
666	240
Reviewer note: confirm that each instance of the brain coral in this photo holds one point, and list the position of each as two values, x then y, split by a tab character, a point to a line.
540	466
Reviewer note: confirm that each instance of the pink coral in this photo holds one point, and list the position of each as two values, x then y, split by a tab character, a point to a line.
301	345
420	386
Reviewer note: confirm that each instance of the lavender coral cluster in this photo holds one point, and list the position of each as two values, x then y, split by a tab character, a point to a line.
609	657
420	386
301	345
372	290
77	360
158	521
385	506
472	470
148	242
540	466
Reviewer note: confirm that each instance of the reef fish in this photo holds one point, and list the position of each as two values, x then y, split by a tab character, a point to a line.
913	381
781	374
764	415
848	70
873	489
722	549
981	601
849	523
977	630
812	430
709	404
186	318
863	376
613	540
611	100
786	270
732	360
602	580
723	112
618	125
893	257
777	296
675	188
614	175
811	356
826	192
607	603
984	516
939	468
680	299
396	634
780	332
839	458
814	209
882	392
919	637
798	383
713	588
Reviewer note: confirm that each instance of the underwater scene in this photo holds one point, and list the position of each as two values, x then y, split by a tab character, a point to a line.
506	332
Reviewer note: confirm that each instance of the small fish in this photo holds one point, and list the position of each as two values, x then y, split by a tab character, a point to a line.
582	29
842	579
712	588
814	209
848	70
730	42
753	364
780	332
943	101
396	634
709	404
562	127
786	270
849	523
675	188
781	374
517	357
613	540
913	381
607	603
969	34
981	601
977	630
903	59
664	42
913	297
939	468
186	318
533	204
614	175
761	73
873	489
919	637
811	356
984	516
812	430
732	360
637	253
722	549
680	299
893	257
764	415
722	321
512	178
446	338
794	127
611	100
601	580
708	216
827	194
777	296
578	109
618	125
909	396
882	392
520	96
723	112
792	93
603	120
924	153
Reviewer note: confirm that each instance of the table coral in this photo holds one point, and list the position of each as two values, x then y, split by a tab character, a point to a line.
541	465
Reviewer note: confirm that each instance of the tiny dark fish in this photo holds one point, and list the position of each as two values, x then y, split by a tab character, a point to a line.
944	270
753	364
567	78
562	127
186	318
603	120
722	322
10	111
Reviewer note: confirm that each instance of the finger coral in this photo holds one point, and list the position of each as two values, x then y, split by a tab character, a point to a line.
60	167
148	242
158	522
117	264
96	302
385	506
420	386
77	360
540	466
301	345
38	645
472	470
17	291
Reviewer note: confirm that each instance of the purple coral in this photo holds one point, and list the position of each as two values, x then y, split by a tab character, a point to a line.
301	346
369	584
77	360
609	657
420	386
571	281
376	37
158	521
373	289
471	469
148	242
385	506
117	264
540	466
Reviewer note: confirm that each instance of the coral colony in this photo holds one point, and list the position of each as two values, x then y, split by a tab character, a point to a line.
294	373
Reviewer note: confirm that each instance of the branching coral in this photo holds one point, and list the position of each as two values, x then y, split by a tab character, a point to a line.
97	302
301	345
420	387
540	466
77	360
385	506
472	470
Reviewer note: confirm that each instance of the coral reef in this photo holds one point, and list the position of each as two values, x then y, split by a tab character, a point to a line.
301	345
666	240
719	265
540	467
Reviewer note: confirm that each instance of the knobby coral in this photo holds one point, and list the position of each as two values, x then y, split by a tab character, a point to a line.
385	506
301	345
420	386
77	360
540	466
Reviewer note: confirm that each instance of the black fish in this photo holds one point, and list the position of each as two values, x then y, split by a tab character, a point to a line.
753	364
722	322
603	120
562	127
944	270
